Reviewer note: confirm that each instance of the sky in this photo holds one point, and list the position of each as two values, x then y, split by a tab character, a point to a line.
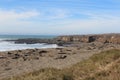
59	17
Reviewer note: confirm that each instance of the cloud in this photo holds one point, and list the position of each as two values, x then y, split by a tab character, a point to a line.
59	21
13	21
54	13
6	15
51	14
97	23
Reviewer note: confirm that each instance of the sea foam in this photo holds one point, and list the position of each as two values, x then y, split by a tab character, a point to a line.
8	46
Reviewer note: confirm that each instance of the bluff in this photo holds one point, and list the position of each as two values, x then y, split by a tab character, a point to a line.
104	38
68	39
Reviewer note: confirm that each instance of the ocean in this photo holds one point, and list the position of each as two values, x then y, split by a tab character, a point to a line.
8	46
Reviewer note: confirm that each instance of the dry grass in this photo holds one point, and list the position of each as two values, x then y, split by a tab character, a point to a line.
102	66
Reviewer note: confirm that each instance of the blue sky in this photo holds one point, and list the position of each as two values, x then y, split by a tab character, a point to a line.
58	17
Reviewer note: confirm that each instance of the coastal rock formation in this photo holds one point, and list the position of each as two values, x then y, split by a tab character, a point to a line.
104	38
33	41
71	39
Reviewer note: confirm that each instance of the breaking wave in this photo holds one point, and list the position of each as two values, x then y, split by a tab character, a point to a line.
8	46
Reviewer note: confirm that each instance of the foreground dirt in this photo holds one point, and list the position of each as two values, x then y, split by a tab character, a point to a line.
18	62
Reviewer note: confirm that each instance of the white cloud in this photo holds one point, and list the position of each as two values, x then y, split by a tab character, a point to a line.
59	22
53	13
58	14
11	20
87	26
13	15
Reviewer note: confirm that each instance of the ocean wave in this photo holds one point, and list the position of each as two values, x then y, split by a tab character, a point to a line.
8	46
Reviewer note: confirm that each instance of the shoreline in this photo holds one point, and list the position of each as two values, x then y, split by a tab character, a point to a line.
14	63
73	51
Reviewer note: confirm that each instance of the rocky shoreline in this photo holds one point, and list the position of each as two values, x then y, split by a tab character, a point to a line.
71	39
18	62
74	50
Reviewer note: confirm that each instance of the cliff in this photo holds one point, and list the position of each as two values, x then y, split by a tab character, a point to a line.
104	38
63	40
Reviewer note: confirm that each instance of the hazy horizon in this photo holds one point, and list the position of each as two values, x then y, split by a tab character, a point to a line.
59	17
53	34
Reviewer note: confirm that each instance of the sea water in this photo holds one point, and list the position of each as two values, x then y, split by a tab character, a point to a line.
8	46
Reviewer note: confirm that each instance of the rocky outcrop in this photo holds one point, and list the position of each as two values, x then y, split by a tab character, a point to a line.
46	41
71	39
104	38
33	41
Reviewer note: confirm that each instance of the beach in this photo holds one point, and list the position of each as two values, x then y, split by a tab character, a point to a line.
20	62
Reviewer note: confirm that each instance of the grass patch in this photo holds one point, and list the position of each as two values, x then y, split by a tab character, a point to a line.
97	67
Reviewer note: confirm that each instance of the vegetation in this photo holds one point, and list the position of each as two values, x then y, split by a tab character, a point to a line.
102	66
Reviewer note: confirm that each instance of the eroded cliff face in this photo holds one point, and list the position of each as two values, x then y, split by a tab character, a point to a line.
104	38
65	40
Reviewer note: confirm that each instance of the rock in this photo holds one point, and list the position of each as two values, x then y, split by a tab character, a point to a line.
68	50
61	57
62	53
16	56
92	38
59	49
2	57
104	38
19	50
36	58
43	51
70	39
9	53
60	44
8	69
90	48
26	54
24	58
